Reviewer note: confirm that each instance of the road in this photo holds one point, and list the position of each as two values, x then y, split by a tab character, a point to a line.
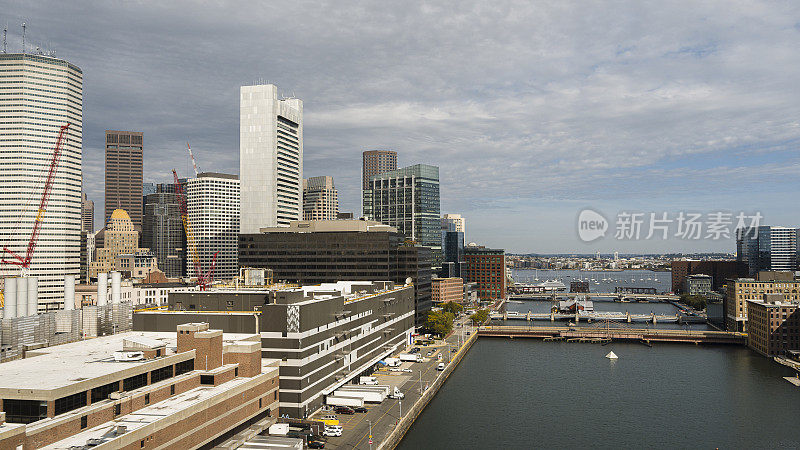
383	417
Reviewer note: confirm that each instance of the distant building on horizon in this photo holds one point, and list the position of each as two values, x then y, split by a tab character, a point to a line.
320	199
123	174
719	271
212	200
454	222
42	94
163	233
270	158
87	214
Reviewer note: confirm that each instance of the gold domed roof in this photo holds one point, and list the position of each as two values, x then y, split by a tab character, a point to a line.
120	214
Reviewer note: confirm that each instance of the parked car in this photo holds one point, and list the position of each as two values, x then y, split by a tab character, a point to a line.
332	432
316	444
344	410
430	352
360	409
330	420
440	366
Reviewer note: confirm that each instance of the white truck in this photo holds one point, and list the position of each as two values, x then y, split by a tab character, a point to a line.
334	400
368	381
366	395
392	362
397	394
409	357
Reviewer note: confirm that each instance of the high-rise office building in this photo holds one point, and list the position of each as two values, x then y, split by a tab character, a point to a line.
320	199
270	158
212	200
87	214
767	248
376	162
777	248
163	233
408	199
124	152
40	95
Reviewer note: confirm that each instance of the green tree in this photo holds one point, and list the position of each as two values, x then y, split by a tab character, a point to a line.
480	317
695	301
440	322
453	308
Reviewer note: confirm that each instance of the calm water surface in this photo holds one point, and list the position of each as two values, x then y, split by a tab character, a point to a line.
533	394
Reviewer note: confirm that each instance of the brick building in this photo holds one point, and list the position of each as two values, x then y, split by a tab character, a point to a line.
448	290
773	325
719	271
487	267
138	390
740	291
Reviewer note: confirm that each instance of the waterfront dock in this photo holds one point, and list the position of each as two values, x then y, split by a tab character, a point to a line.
596	334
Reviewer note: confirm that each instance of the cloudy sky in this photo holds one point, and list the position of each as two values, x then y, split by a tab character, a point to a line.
533	110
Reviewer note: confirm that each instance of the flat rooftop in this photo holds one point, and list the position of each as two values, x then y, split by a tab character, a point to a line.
63	365
330	226
162	410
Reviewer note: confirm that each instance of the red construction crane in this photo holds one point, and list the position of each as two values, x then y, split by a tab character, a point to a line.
25	262
203	279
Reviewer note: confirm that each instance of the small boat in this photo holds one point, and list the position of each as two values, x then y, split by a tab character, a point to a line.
611	355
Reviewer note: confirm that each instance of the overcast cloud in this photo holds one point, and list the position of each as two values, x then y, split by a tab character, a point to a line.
533	110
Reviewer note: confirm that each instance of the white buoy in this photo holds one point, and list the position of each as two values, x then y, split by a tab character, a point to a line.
611	355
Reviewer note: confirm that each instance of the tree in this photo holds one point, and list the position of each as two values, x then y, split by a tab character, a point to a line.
695	301
453	308
480	317
440	322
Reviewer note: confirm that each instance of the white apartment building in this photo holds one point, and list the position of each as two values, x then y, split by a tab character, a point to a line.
320	199
270	158
212	201
40	94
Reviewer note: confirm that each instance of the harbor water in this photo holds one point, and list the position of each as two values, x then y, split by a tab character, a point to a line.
525	393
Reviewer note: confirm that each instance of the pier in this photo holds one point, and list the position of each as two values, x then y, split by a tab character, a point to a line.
607	334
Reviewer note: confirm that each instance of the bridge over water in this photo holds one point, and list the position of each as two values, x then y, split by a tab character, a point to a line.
584	316
609	333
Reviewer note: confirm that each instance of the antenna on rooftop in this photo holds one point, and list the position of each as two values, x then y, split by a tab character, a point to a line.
23	37
5	31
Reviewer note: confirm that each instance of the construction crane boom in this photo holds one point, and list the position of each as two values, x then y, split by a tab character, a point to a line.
194	164
24	262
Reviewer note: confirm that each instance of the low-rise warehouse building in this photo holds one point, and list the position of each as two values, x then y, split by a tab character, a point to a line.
137	390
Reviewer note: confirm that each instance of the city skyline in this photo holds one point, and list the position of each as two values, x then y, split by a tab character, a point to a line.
568	118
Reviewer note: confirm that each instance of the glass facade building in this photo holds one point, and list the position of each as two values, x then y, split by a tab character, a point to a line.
408	199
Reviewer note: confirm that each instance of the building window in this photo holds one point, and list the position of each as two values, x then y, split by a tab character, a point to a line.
24	411
184	367
146	399
70	402
102	392
160	374
134	382
259	403
172	390
207	379
235	371
84	422
117	409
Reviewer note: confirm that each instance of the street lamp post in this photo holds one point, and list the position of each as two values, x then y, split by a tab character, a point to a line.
370	434
401	408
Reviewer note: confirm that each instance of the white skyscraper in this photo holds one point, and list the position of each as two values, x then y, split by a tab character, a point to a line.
270	158
39	95
212	202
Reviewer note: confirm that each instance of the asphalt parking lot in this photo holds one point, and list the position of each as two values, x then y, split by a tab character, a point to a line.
383	417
